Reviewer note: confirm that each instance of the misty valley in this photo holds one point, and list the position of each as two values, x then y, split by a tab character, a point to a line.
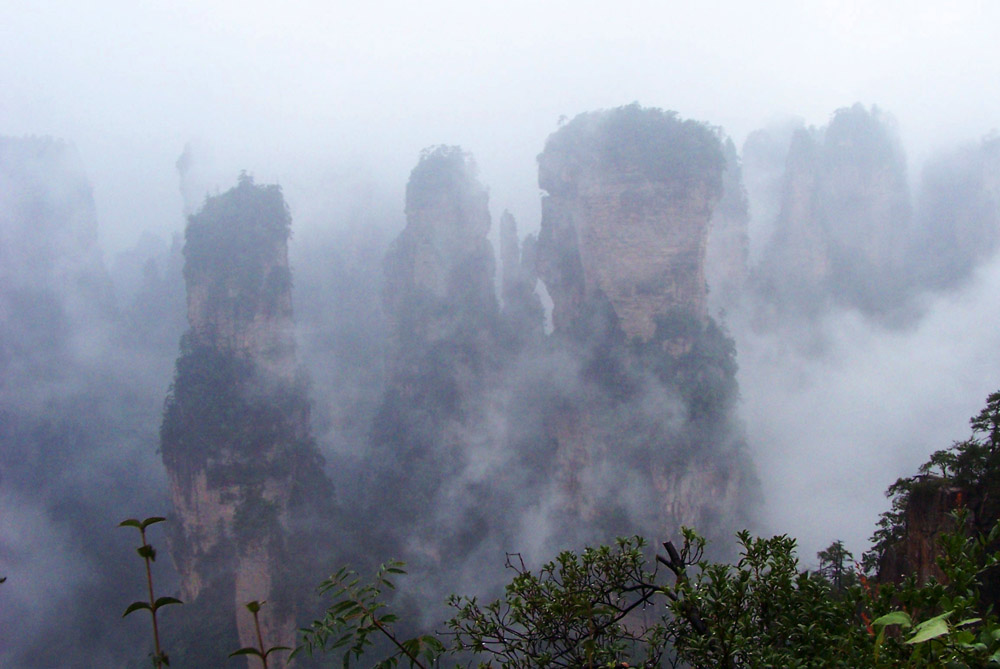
504	412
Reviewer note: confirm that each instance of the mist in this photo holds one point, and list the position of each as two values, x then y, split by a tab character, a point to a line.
121	120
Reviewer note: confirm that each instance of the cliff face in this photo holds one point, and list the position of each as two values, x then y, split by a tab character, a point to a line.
630	196
235	440
625	219
440	270
926	519
438	415
844	223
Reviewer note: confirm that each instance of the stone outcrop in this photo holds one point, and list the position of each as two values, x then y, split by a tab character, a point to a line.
763	158
796	263
629	197
439	272
844	224
438	417
242	467
926	517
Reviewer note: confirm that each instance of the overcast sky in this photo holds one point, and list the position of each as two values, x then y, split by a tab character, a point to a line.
306	93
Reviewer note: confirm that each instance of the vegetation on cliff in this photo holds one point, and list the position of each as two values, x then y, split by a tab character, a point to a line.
644	141
619	606
965	475
231	245
235	437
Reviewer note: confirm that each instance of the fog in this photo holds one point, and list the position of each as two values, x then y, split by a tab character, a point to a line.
293	94
164	105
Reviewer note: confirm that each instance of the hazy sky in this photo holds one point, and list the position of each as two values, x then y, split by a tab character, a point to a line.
310	92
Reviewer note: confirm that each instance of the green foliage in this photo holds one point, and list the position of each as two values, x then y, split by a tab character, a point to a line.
703	371
235	233
581	610
260	652
762	611
205	411
971	466
859	137
440	168
255	517
603	607
836	564
649	142
148	554
922	629
358	615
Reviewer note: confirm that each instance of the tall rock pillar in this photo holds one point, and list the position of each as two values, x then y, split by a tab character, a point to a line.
630	194
235	438
442	404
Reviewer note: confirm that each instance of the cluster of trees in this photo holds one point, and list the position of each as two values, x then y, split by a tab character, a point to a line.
611	607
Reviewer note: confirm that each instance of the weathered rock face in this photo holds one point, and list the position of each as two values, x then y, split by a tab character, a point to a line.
927	518
438	412
796	263
842	231
238	281
439	271
651	394
626	217
235	436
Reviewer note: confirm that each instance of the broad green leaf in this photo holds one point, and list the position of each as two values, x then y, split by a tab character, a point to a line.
131	522
894	618
929	629
149	521
254	606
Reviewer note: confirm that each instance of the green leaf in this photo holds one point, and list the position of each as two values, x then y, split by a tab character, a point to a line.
246	651
274	648
131	522
254	606
150	521
163	601
146	551
894	618
135	606
929	629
